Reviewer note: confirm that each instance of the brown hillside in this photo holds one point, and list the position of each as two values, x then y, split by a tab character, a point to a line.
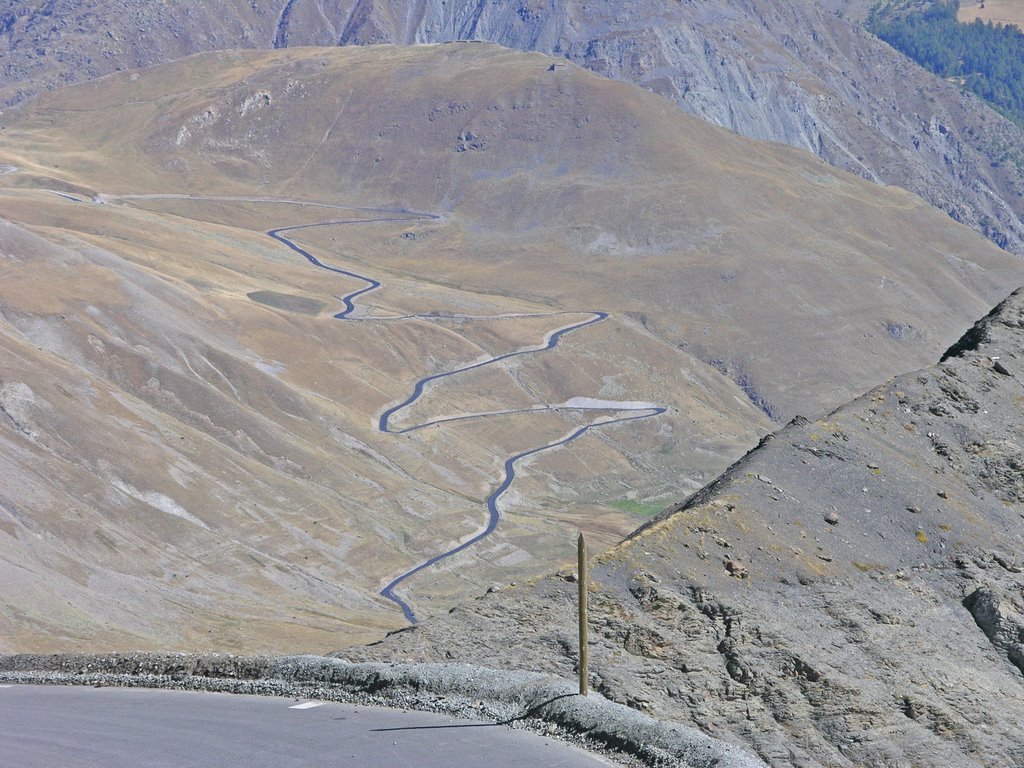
806	74
192	440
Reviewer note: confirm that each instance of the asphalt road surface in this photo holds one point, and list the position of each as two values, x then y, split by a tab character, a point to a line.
47	726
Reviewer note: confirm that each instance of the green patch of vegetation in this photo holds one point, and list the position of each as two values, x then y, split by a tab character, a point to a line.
634	507
986	58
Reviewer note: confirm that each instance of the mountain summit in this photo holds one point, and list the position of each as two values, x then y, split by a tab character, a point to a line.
806	74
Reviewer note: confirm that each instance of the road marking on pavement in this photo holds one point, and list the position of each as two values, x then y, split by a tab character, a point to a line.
6	686
307	705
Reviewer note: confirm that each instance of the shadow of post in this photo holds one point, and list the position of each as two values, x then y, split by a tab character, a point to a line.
531	712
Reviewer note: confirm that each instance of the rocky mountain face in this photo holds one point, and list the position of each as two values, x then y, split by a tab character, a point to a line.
849	593
805	74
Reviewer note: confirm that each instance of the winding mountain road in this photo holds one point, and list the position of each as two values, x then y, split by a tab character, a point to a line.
646	410
633	411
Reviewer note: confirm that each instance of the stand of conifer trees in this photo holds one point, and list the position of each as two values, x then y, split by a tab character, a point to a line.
987	58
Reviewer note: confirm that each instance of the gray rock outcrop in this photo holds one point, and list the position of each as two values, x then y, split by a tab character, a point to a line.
1001	619
888	633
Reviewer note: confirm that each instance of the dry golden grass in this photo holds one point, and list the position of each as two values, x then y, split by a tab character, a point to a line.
150	391
996	11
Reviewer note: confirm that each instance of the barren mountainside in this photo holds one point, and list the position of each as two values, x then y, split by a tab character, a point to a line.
200	453
805	74
306	340
849	593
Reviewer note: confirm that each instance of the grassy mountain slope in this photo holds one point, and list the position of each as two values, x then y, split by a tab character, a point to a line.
215	404
802	73
996	11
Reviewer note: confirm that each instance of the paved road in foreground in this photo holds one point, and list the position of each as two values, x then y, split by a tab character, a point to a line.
46	726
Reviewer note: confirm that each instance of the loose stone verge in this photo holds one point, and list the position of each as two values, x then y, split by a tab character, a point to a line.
518	699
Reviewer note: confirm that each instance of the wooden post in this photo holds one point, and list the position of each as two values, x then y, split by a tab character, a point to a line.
581	547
